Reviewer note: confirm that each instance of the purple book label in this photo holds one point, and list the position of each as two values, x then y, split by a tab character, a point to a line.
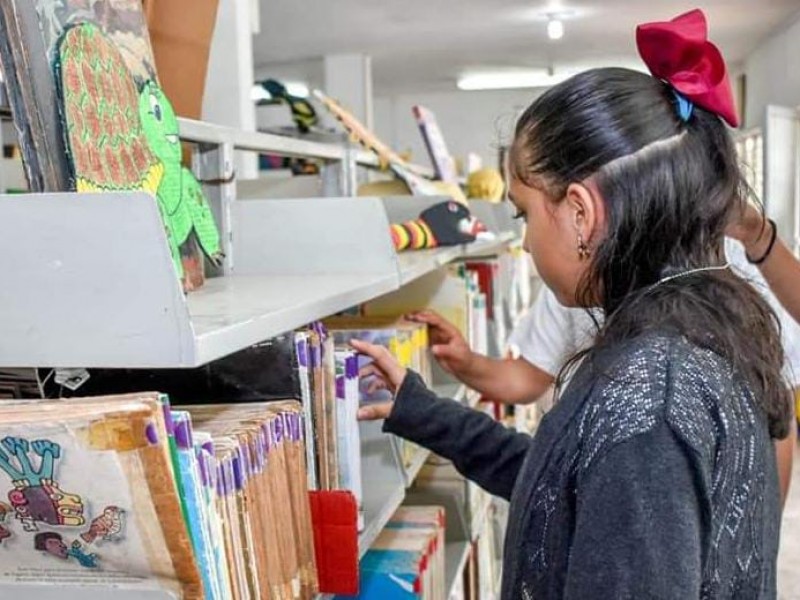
340	387
221	488
152	433
183	433
302	352
351	367
168	422
238	479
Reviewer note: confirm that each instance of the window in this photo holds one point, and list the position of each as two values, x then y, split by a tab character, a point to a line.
750	148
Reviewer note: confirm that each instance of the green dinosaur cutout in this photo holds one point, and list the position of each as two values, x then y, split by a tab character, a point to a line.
185	206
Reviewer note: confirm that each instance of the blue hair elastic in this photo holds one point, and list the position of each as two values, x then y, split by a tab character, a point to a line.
685	106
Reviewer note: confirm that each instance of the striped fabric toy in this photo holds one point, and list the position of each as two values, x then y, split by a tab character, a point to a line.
444	224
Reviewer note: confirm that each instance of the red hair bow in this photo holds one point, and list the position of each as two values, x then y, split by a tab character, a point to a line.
678	51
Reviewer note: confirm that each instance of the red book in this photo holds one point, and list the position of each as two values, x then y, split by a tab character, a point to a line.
334	515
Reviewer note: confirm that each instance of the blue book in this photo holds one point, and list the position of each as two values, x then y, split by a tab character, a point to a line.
191	488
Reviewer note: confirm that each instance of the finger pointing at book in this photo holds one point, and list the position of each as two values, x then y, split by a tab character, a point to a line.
386	366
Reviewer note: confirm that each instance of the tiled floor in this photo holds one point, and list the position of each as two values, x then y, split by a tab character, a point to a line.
789	557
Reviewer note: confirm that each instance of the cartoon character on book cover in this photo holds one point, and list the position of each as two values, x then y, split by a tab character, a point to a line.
57	521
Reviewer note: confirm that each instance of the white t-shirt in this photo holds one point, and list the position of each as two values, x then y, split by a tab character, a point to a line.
550	333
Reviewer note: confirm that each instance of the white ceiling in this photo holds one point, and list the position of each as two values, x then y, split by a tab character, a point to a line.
424	45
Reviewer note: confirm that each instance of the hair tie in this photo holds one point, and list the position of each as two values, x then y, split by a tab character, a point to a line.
685	106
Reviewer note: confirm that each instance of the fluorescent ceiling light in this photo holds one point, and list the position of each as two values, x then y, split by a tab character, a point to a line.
510	80
555	29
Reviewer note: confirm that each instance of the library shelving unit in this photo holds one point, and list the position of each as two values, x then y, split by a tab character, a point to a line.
89	282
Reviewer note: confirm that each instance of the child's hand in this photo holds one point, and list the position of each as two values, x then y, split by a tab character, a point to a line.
386	370
752	230
447	344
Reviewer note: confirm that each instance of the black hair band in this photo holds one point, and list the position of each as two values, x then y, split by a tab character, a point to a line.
771	245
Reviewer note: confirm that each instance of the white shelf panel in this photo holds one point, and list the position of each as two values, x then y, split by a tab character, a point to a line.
482	249
377	515
420	458
231	313
208	133
92	283
77	592
414	264
456	554
480	519
366	158
384	485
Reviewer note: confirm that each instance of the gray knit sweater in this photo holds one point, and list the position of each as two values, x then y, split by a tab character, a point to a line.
653	477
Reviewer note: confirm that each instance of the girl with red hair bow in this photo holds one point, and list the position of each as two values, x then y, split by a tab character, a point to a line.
654	476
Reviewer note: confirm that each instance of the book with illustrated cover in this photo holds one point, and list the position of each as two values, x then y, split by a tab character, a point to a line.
406	340
91	497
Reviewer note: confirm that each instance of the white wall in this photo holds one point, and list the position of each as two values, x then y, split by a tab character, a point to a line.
470	121
772	74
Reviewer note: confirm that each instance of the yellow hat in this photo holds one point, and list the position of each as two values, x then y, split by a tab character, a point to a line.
486	184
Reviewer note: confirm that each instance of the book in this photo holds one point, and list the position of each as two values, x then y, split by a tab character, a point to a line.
269	539
443	164
92	498
272	370
404	563
195	507
348	435
427	518
406	340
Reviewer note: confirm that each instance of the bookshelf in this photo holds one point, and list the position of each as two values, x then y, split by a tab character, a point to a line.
120	305
92	285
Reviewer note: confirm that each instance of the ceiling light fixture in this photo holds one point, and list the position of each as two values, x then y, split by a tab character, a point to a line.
555	29
506	80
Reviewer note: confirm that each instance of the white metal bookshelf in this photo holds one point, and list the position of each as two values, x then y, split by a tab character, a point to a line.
91	283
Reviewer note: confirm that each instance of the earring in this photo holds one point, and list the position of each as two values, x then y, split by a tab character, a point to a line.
583	249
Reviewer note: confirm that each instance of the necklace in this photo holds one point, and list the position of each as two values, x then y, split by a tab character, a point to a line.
689	272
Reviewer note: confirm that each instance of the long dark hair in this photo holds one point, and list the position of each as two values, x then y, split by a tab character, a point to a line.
670	187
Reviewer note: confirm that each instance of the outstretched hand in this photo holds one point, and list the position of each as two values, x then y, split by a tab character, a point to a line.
387	372
448	346
751	229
